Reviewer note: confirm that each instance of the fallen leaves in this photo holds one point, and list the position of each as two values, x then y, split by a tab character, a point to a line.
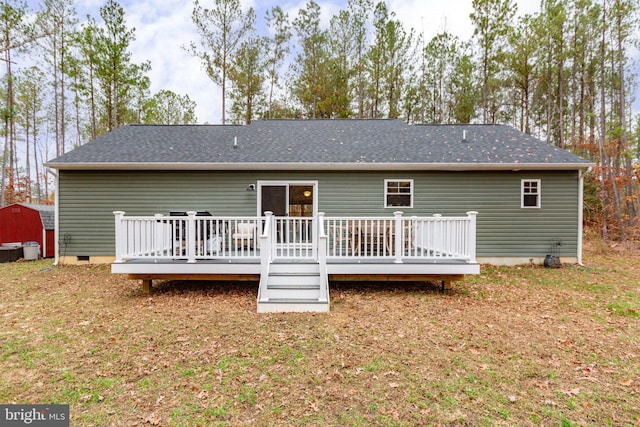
506	348
572	392
153	418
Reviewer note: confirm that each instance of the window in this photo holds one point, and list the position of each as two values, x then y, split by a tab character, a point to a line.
398	193
530	193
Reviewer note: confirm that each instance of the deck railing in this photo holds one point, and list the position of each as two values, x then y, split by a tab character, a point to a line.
396	238
400	238
187	238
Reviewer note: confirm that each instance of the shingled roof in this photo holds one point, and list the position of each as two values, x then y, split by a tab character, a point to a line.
318	145
47	213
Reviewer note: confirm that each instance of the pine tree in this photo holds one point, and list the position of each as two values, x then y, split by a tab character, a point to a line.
248	77
168	108
221	30
492	22
310	81
58	19
277	48
118	78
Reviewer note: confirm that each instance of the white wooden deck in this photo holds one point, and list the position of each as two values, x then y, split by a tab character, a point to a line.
312	250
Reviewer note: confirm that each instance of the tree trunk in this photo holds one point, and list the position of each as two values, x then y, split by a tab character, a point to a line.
35	151
604	158
62	89
622	112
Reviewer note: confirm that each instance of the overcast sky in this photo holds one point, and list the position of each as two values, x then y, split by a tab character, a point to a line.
163	27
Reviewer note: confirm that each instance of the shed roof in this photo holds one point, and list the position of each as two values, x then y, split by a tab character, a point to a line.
47	213
318	144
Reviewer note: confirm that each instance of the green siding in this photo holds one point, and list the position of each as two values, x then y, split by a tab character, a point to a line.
87	200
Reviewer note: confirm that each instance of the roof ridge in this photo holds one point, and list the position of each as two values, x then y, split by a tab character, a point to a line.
180	125
459	124
338	119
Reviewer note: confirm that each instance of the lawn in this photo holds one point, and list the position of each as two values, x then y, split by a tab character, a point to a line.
512	346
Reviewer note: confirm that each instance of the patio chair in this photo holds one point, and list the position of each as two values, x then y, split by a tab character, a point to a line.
245	234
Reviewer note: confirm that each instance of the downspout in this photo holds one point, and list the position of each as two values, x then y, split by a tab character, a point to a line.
581	174
56	231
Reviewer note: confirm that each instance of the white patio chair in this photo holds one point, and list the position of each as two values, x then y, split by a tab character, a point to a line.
245	234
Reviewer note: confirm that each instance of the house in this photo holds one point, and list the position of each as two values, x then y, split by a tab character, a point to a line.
295	203
25	222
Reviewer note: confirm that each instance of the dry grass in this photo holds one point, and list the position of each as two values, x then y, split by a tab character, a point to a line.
513	346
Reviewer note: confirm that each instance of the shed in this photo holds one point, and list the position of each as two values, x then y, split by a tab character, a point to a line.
25	222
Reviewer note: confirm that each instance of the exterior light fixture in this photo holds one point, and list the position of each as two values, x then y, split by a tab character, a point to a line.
251	187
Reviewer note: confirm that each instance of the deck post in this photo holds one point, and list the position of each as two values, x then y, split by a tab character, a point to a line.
266	239
158	235
266	255
472	235
398	236
322	248
191	237
147	284
119	237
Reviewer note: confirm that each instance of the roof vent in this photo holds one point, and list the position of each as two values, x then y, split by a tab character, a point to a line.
235	142
464	135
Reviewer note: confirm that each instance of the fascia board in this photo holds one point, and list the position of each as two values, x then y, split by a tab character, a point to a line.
322	166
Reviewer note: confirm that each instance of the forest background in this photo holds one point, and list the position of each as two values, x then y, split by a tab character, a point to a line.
565	72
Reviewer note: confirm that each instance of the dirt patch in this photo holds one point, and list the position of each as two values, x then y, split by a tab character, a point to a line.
512	346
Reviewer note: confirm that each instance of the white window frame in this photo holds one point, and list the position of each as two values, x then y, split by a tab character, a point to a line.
526	192
386	193
287	184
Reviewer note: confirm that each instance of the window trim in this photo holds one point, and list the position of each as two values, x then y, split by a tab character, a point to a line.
538	183
386	193
287	184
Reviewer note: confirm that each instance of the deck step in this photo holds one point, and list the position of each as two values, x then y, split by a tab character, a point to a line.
293	287
286	288
296	268
292	301
293	305
293	281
